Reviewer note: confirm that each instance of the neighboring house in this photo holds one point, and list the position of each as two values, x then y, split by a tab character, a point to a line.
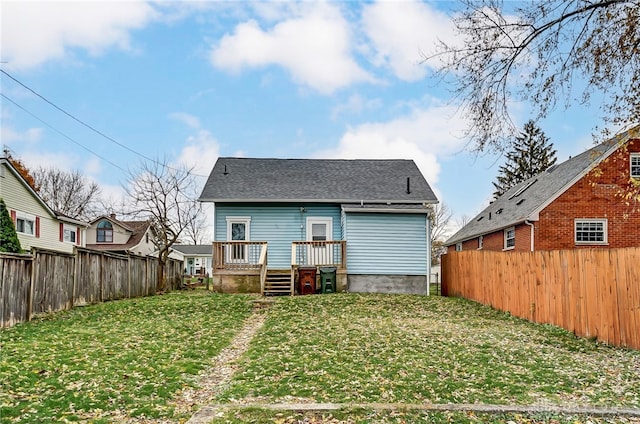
36	223
198	258
576	204
366	218
110	234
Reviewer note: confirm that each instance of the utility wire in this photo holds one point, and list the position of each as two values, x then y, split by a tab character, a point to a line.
81	122
61	133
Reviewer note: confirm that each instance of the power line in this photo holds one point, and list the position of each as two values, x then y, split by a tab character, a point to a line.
81	122
61	133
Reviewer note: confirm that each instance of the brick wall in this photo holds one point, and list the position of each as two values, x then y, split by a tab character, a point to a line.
595	196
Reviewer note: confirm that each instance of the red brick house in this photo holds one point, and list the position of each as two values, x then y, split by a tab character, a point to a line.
576	204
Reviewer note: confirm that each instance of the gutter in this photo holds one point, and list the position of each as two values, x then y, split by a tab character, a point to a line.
530	224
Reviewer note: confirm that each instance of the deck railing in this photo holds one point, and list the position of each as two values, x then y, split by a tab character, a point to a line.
319	253
263	267
239	255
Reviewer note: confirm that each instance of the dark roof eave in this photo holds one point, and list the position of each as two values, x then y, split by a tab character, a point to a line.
452	240
366	201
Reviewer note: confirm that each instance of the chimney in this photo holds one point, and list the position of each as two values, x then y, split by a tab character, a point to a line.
113	216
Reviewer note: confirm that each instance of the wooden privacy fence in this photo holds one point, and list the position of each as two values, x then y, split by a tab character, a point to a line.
49	281
591	292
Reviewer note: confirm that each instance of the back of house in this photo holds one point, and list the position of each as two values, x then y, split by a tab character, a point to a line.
366	219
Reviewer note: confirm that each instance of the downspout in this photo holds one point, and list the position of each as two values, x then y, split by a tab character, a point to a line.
530	224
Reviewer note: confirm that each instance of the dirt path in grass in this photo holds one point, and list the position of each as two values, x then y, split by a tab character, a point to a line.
215	378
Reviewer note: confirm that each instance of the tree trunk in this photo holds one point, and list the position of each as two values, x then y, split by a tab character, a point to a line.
162	281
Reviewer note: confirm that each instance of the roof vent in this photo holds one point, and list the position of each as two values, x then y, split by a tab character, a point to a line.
519	202
480	219
522	189
551	168
225	170
499	211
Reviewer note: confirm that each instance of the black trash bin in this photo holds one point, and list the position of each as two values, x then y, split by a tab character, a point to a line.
328	279
306	280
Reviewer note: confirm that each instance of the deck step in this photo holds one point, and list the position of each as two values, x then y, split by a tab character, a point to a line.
278	283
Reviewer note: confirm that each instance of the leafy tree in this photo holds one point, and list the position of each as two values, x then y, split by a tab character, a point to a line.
8	237
531	154
22	170
543	53
165	195
69	193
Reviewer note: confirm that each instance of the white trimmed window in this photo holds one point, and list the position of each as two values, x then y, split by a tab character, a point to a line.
458	247
635	165
70	234
591	231
510	238
480	242
25	223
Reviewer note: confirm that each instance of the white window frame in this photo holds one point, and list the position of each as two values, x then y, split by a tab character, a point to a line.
605	231
507	238
458	247
233	254
480	242
25	217
66	233
634	164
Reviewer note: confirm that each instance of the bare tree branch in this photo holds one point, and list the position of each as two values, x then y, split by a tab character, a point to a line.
166	196
540	53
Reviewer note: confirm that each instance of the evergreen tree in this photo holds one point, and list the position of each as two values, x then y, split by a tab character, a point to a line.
8	237
532	154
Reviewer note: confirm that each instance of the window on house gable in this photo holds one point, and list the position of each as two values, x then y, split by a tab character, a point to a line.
69	235
590	231
105	232
635	165
25	224
509	238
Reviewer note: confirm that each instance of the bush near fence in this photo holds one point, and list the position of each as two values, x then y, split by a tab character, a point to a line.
49	281
590	292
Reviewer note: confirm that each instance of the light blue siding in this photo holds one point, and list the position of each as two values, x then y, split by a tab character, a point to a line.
385	243
277	224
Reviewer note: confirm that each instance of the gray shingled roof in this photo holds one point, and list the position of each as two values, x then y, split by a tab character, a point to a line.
525	200
316	180
194	249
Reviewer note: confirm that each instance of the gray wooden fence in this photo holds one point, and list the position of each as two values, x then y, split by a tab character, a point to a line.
49	281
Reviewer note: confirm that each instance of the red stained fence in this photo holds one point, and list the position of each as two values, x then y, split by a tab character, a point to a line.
590	292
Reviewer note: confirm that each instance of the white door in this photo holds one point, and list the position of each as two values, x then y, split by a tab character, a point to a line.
319	229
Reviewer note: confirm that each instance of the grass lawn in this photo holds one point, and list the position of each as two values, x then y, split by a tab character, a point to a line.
128	356
133	356
411	349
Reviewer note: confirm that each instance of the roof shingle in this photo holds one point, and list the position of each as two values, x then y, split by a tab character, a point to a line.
317	180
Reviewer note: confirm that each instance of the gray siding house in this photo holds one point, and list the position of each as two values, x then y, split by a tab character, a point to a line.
368	219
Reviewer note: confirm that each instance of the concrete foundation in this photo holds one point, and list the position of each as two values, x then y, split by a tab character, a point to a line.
237	282
396	284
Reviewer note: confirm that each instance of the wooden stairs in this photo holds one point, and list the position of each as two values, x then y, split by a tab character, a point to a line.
278	283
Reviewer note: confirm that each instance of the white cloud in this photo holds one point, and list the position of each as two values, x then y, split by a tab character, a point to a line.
314	45
355	104
187	119
34	32
10	135
401	31
200	152
424	135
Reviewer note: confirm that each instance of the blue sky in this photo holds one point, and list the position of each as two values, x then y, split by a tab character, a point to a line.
192	81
